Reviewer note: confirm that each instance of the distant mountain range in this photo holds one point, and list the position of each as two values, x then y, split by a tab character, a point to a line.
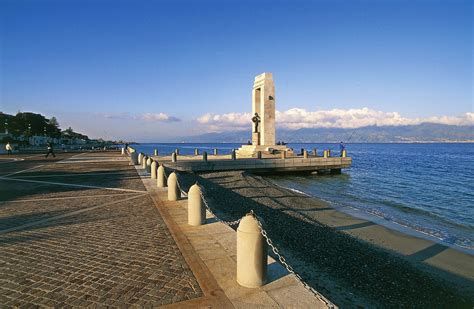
425	132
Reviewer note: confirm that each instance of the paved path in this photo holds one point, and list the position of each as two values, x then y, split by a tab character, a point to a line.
81	230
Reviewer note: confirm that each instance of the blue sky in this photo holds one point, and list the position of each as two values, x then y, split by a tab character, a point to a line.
103	66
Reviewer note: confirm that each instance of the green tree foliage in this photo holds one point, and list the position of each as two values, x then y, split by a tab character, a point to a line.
69	133
29	124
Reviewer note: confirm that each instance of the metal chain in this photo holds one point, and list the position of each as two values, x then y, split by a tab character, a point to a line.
281	258
288	267
179	186
229	223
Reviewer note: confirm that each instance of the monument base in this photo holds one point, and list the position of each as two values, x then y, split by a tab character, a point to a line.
249	151
255	138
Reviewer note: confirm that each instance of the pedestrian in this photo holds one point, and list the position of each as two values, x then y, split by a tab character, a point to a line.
9	148
50	150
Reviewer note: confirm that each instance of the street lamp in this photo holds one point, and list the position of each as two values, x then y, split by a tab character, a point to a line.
6	126
44	131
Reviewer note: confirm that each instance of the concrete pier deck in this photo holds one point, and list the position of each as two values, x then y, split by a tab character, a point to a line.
268	164
89	230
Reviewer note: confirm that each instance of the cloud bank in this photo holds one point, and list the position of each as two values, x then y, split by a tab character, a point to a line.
297	118
150	117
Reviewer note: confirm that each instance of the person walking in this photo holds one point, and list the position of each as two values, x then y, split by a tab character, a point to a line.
50	150
9	148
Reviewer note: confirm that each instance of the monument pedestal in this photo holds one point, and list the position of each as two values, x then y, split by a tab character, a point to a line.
249	151
255	138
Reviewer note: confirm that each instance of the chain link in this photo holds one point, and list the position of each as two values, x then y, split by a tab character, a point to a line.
274	249
229	223
288	267
179	187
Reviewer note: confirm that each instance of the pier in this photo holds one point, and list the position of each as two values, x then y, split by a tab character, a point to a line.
268	164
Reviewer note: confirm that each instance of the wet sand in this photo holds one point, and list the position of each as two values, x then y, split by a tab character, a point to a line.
353	262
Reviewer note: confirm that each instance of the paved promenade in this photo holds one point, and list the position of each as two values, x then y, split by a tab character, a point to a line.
89	230
81	230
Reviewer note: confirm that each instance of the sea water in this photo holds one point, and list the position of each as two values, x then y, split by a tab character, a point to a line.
425	188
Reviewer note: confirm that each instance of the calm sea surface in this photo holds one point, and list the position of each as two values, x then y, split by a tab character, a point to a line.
425	189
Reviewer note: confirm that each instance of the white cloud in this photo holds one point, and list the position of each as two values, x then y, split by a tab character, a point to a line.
158	117
150	117
297	118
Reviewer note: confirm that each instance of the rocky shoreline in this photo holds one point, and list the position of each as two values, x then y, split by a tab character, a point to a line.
348	271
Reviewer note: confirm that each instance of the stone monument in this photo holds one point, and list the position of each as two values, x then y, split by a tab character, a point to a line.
263	119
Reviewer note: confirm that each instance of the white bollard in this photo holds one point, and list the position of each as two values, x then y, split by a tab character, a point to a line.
160	177
134	158
176	151
153	169
196	152
156	152
174	157
305	154
140	157
148	165
215	151
123	151
173	190
196	211
251	253
325	153
144	158
344	153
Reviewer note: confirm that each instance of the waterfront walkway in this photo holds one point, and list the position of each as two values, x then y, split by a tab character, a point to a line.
84	229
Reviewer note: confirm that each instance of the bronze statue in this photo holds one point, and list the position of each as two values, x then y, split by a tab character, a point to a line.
256	120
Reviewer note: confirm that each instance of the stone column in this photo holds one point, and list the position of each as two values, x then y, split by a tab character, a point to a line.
263	103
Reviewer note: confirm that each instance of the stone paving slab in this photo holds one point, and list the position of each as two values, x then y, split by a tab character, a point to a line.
19	213
111	250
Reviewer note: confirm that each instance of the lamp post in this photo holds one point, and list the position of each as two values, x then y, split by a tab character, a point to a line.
6	126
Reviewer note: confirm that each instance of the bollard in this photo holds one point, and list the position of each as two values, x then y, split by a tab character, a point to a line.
233	155
302	151
315	152
204	155
329	153
144	158
176	151
215	151
305	154
160	177
343	153
134	158
251	253
140	157
259	154
283	154
153	169
196	211
174	157
123	151
155	152
325	153
196	152
148	165
173	190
